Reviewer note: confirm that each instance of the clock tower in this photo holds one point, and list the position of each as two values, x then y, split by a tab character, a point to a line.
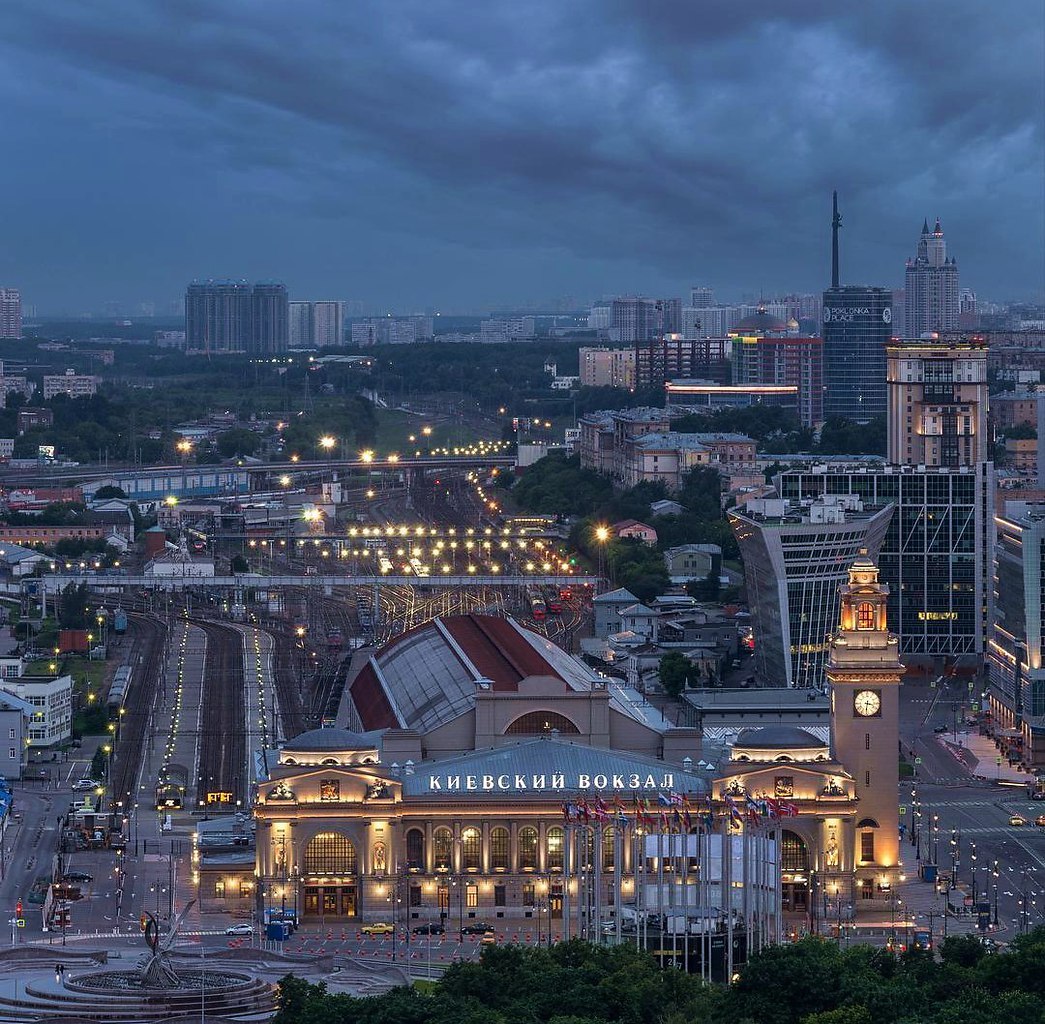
863	674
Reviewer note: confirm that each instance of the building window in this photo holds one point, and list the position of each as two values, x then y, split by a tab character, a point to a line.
219	889
537	723
415	896
793	853
330	853
867	779
11	753
865	616
529	894
443	898
609	848
415	850
499	849
556	844
500	896
867	741
443	849
867	847
528	849
471	849
471	895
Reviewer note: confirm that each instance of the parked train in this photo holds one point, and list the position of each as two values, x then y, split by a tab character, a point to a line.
534	599
171	787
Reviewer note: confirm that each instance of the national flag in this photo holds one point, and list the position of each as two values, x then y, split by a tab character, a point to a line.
663	800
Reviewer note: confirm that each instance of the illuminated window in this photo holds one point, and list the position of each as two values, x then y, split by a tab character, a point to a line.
499	846
443	848
865	616
536	723
330	853
471	846
219	889
793	853
471	895
528	849
415	849
556	844
609	848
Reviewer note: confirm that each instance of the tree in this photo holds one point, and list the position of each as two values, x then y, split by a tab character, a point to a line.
109	491
237	441
675	672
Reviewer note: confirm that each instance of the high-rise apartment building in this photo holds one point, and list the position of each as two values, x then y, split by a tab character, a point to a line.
10	313
270	329
1016	693
796	556
607	367
937	550
931	286
218	319
231	317
938	397
328	324
701	297
857	327
299	319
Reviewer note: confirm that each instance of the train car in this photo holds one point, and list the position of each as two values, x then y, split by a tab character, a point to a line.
197	541
552	600
385	565
171	787
119	621
536	603
121	682
566	592
335	640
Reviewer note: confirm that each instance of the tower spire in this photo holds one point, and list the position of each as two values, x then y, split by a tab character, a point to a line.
836	223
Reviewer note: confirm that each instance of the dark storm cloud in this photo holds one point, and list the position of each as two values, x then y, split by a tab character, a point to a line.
539	148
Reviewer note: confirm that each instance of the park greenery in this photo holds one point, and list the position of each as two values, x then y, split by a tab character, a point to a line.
810	982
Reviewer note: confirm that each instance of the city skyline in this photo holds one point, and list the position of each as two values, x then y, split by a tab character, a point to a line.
419	158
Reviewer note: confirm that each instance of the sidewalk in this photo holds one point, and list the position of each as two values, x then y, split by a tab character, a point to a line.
981	754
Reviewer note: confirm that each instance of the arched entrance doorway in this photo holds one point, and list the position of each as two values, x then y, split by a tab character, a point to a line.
329	871
794	869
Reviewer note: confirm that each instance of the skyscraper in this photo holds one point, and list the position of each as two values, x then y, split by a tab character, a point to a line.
857	326
938	402
299	318
931	285
328	324
230	317
796	556
270	330
217	317
10	313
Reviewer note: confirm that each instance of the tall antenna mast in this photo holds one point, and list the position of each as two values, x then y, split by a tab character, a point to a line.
836	223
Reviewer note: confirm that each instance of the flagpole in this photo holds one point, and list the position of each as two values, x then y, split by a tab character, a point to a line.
567	857
596	867
618	874
727	902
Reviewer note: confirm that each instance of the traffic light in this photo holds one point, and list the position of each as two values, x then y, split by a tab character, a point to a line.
142	921
18	909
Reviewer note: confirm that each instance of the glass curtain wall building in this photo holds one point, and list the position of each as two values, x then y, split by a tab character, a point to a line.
796	556
936	556
857	328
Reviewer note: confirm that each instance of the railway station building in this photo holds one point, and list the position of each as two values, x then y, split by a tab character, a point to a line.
490	777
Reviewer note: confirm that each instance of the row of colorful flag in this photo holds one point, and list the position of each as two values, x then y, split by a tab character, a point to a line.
674	810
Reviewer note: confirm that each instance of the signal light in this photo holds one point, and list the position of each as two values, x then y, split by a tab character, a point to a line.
18	909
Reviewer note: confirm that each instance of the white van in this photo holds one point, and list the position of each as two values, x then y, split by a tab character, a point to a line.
168	825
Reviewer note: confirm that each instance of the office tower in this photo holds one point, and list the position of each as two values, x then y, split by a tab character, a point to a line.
269	336
328	324
857	327
701	297
931	286
1016	693
863	674
218	317
10	313
300	329
796	556
968	312
767	351
937	549
938	402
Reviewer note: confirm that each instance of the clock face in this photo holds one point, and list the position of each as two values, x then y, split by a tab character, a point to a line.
867	703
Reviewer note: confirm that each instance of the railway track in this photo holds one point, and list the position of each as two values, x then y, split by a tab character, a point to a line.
222	748
150	635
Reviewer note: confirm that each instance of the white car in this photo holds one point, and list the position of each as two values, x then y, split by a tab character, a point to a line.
82	785
240	929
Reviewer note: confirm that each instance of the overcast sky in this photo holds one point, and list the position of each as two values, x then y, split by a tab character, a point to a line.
478	154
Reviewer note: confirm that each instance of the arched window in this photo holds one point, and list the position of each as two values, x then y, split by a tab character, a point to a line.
443	849
865	615
609	848
415	850
471	849
867	827
330	853
500	843
538	723
793	853
527	849
556	848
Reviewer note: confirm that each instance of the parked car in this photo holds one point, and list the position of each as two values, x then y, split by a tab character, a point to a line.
1040	821
432	928
1017	820
940	728
240	929
377	928
78	876
476	928
82	785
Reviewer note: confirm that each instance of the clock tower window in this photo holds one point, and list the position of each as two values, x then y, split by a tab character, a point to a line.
865	615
